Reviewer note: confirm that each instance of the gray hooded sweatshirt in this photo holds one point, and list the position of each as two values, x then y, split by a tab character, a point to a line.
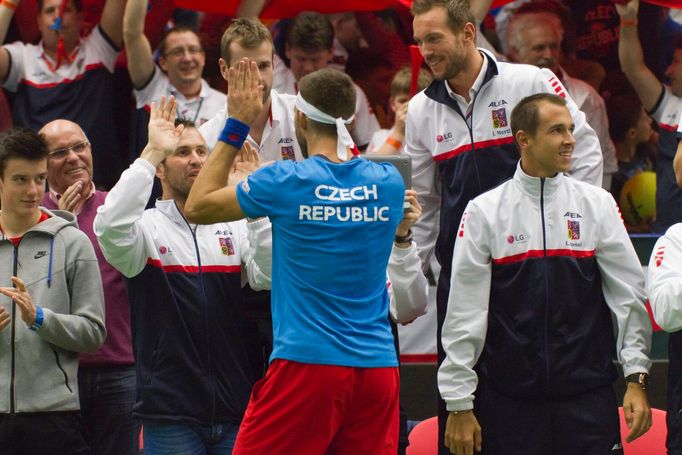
38	369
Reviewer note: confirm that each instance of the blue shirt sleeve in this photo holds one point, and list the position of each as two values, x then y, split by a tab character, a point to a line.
257	195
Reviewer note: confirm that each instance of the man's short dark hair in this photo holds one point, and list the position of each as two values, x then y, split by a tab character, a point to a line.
21	143
332	92
247	32
176	29
311	32
526	115
76	4
459	11
623	113
187	123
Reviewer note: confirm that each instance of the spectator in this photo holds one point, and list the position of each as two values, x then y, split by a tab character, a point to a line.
184	283
106	378
665	294
535	39
630	128
329	332
54	308
348	38
372	72
528	309
62	75
309	44
458	131
663	104
181	64
390	141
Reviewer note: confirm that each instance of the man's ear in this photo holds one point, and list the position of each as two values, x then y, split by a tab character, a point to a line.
469	32
522	138
162	64
631	133
161	170
223	67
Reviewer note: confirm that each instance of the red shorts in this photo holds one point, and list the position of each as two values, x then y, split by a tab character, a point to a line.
308	409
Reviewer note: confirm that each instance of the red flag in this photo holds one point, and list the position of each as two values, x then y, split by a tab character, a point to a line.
277	9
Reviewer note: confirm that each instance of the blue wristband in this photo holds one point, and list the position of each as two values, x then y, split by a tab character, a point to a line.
234	133
39	319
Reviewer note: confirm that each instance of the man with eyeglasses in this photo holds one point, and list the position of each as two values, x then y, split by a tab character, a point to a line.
180	66
106	378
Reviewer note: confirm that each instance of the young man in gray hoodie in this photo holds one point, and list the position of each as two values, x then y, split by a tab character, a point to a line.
51	307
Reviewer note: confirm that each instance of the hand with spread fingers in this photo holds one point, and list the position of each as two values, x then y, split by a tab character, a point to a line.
637	411
70	198
244	92
20	296
246	163
164	136
463	433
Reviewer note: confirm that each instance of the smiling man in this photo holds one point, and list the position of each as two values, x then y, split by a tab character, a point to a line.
52	291
180	67
458	132
106	378
542	262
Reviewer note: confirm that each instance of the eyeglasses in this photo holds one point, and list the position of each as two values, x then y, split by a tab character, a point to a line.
180	51
78	149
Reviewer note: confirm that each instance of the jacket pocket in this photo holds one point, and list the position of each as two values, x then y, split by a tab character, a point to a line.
59	365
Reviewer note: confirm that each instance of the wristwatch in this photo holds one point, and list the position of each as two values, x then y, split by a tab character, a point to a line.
638	378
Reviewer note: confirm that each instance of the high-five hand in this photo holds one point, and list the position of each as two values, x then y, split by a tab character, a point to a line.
164	136
244	92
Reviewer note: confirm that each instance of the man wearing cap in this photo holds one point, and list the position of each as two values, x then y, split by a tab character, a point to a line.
332	385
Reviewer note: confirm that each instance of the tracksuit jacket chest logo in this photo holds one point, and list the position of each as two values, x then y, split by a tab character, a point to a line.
573	230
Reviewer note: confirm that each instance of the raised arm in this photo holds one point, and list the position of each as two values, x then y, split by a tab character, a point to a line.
250	8
631	57
209	200
6	12
480	9
138	49
118	224
111	21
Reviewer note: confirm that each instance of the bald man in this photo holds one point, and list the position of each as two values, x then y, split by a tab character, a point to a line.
106	378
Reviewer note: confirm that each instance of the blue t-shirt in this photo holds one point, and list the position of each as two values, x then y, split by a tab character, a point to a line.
332	230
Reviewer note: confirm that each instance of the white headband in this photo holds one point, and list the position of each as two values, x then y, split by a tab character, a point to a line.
317	115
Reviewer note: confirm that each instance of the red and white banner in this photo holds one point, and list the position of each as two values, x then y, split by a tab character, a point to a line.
277	9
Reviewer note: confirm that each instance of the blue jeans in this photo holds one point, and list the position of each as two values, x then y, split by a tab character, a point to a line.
188	439
107	395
